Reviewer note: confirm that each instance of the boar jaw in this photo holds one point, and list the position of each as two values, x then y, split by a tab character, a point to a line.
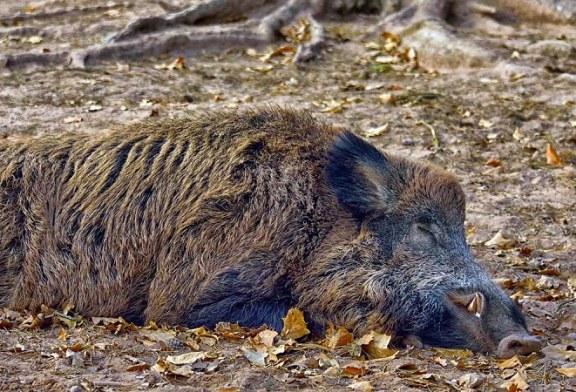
487	322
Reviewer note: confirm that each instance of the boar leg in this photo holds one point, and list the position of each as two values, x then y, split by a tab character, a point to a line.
250	294
339	293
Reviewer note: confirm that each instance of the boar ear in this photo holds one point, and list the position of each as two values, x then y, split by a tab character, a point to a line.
359	174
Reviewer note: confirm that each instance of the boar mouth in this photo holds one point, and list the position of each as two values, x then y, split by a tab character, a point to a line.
465	322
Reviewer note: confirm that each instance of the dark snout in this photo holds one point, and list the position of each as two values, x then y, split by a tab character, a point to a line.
518	345
489	322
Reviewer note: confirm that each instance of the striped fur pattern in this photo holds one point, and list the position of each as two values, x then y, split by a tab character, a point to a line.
238	216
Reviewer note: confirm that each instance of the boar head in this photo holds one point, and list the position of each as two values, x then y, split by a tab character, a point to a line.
427	284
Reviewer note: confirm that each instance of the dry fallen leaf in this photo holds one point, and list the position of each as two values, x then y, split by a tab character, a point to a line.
471	380
178	63
255	354
62	335
187	358
138	367
94	107
376	345
376	131
570	372
332	106
387	99
266	337
485	123
510	363
501	241
35	39
552	157
494	162
362	386
354	369
516	383
294	325
340	337
454	353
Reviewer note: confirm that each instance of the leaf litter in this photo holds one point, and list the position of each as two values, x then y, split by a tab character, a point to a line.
520	129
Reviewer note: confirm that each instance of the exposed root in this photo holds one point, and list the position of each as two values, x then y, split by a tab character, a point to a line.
428	26
23	60
183	42
74	11
211	11
312	48
22	31
287	14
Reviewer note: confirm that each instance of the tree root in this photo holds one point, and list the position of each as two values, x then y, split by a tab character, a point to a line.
74	11
428	26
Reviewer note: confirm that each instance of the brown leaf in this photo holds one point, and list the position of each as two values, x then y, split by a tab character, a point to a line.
516	383
501	241
341	337
231	331
552	157
377	346
494	162
549	272
454	353
569	372
255	355
471	380
485	123
387	36
138	367
354	369
266	337
179	63
62	335
294	325
187	358
5	324
160	366
362	386
510	363
377	131
77	347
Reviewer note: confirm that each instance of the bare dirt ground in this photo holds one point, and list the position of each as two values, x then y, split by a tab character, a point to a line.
508	133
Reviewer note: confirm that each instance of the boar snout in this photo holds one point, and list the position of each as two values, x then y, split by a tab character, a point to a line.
518	345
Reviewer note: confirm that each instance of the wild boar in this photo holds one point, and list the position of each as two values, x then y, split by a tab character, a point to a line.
238	216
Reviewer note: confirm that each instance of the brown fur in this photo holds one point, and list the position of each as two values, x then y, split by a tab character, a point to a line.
228	217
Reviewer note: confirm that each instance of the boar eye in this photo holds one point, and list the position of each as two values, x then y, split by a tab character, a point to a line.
424	234
429	230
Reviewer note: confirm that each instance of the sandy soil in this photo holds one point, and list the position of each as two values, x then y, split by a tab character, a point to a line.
490	127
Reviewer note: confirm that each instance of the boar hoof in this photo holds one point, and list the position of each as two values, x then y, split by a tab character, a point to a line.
518	345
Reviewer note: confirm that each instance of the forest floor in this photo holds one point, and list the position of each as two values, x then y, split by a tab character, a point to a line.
507	132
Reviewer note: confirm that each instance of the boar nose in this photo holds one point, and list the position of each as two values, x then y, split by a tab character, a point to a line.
518	345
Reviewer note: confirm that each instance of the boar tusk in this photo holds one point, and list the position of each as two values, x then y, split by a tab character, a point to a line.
476	305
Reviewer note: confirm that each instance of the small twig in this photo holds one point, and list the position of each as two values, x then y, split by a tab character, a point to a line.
564	303
104	383
435	139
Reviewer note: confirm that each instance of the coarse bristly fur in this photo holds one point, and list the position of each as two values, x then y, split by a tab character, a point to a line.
238	216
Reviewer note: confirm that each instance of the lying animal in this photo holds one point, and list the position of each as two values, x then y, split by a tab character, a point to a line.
238	217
